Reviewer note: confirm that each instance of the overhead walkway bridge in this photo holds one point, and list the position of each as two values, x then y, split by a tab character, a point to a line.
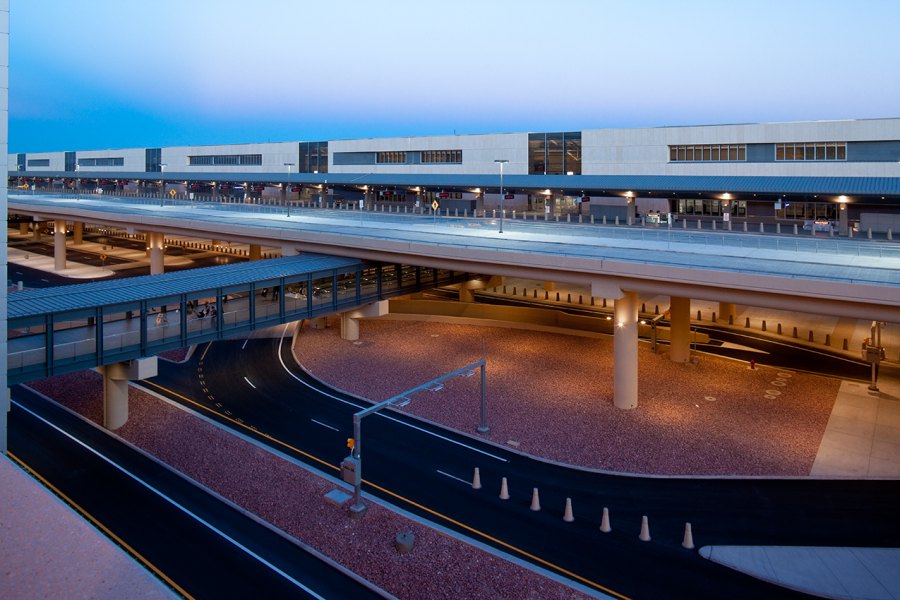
63	329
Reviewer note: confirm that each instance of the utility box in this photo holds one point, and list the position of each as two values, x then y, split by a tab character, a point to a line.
873	354
350	470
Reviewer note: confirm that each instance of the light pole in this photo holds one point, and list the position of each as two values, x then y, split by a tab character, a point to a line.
287	189
78	181
501	161
162	183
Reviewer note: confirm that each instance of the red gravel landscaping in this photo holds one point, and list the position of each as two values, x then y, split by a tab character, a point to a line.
550	395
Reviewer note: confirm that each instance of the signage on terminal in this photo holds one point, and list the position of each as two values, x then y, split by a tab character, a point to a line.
509	197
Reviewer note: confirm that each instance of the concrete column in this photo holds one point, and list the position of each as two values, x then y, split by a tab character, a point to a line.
350	319
255	252
632	211
465	294
680	330
843	225
216	244
550	286
157	259
625	344
59	246
369	198
726	310
23	228
115	388
78	233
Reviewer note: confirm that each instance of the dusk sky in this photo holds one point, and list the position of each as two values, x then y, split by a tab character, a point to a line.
112	73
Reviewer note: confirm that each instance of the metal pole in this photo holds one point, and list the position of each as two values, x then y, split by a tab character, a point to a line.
287	189
483	426
357	507
501	161
162	184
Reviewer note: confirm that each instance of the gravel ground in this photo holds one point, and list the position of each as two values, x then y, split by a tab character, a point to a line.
439	566
551	395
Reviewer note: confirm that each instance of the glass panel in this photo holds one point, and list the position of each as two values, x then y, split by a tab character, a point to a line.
779	151
742	152
555	154
346	285
682	153
408	276
714	152
689	154
842	151
830	151
706	153
322	292
573	153
788	152
820	151
732	152
536	160
673	153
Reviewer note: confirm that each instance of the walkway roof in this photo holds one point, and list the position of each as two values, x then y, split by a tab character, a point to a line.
41	301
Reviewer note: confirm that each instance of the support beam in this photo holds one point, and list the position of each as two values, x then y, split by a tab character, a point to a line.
255	252
843	224
350	319
625	345
59	245
680	330
115	388
155	242
23	228
77	233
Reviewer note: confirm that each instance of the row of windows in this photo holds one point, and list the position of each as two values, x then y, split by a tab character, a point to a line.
441	156
116	161
711	152
226	159
812	151
38	162
391	158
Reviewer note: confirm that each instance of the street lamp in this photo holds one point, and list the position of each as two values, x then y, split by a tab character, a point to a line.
162	183
501	161
287	189
78	181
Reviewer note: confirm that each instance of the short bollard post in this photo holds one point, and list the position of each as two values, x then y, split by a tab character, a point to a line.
827	339
557	296
568	517
764	325
535	500
569	298
645	530
795	332
604	522
810	335
731	319
779	329
846	344
643	307
476	479
714	320
688	543
747	323
504	490
698	316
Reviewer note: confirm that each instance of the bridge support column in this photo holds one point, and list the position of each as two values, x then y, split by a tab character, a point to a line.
549	286
843	225
466	289
59	245
157	261
23	228
680	330
350	319
115	388
77	233
727	312
36	231
255	252
625	346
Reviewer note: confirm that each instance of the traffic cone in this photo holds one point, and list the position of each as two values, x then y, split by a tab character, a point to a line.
476	480
645	530
604	522
568	517
535	500
688	542
504	490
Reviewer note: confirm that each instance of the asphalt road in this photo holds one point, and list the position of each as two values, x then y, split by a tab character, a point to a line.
427	470
202	547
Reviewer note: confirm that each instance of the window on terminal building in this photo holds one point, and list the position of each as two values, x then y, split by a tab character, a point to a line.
105	161
708	153
557	153
811	151
226	160
391	158
38	162
441	156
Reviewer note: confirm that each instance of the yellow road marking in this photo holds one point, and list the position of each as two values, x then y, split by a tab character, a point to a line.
402	498
100	526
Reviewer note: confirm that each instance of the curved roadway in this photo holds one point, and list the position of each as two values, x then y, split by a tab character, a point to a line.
426	470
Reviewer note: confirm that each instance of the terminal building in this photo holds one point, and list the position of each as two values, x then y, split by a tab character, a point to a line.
830	174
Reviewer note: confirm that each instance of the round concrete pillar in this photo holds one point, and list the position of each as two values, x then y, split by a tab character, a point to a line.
59	245
680	330
625	344
77	233
115	402
727	310
255	252
157	258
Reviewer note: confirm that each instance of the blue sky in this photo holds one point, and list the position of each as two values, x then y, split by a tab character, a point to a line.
113	73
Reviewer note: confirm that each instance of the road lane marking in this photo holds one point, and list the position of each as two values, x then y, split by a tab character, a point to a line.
453	477
249	382
80	510
324	425
385	416
177	505
245	343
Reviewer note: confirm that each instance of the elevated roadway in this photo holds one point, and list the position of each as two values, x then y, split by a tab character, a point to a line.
840	277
